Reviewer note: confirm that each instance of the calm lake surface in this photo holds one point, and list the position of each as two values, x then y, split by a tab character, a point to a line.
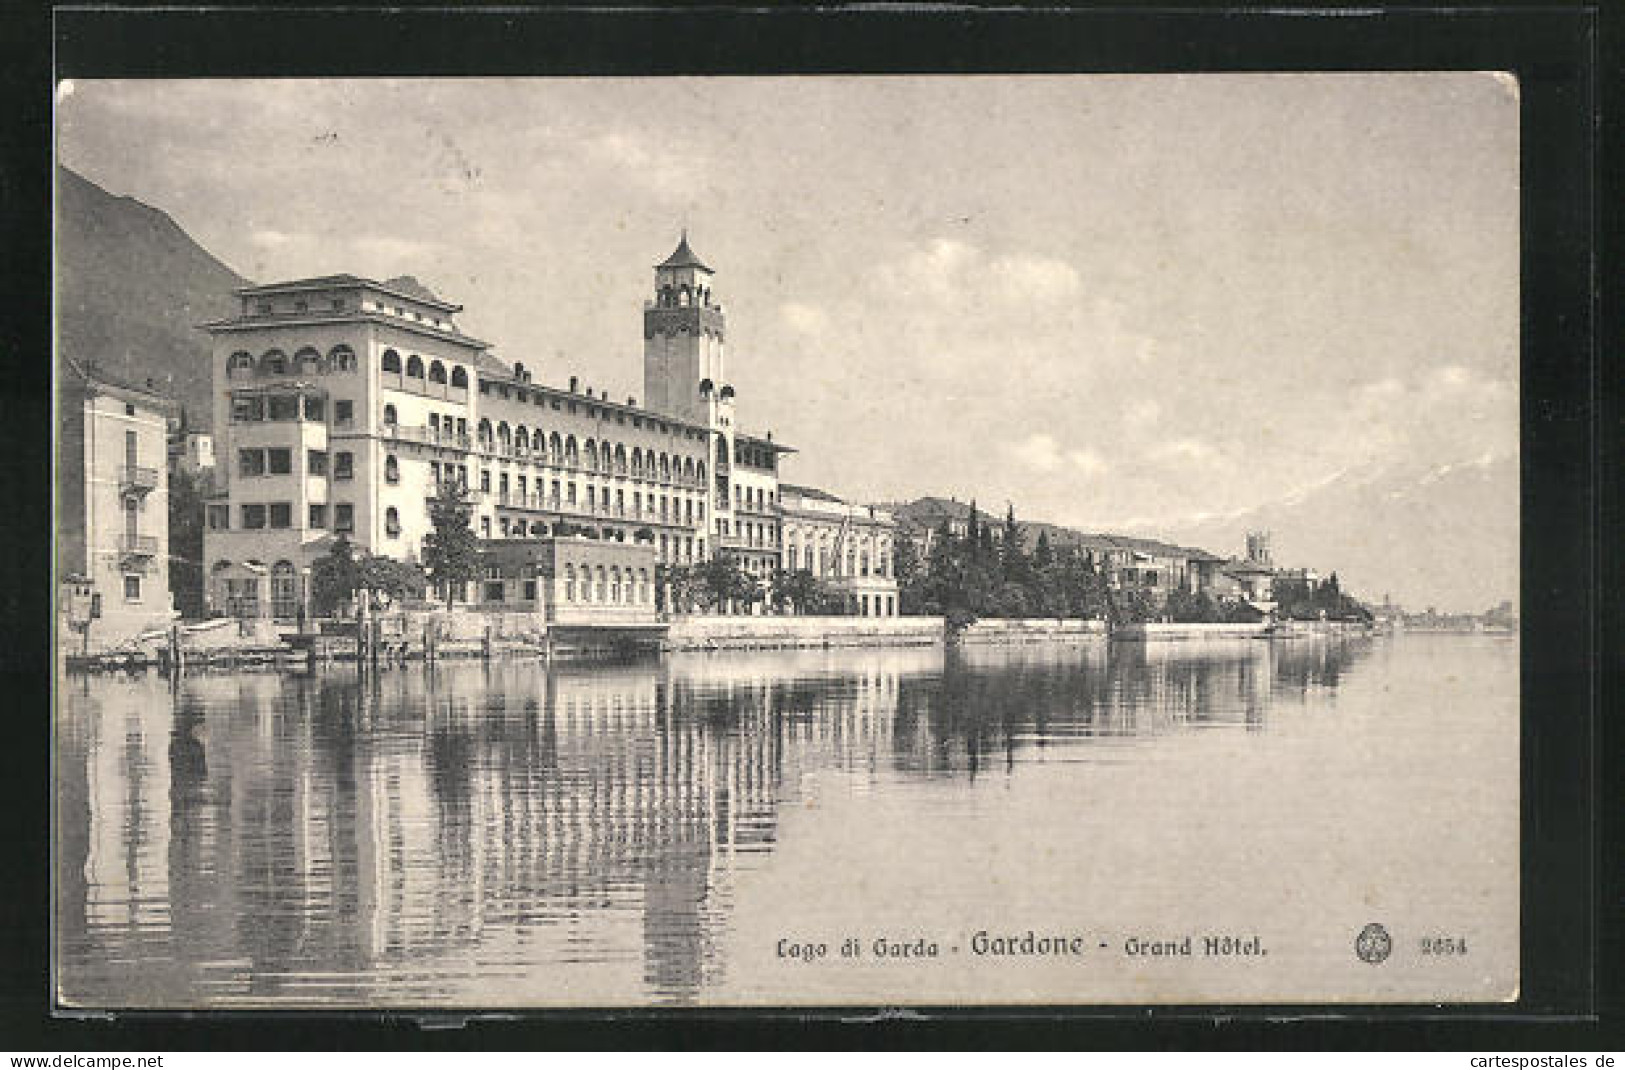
654	832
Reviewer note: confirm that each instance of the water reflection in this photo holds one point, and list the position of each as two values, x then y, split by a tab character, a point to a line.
507	834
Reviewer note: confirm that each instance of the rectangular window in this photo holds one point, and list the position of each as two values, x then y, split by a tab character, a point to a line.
132	588
315	409
253	517
281	515
282	407
318	515
219	517
343	466
251	462
530	590
344	517
343	412
279	462
485	481
493	591
247	410
316	462
485	527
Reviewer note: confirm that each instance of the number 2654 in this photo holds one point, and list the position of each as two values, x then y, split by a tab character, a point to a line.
1443	945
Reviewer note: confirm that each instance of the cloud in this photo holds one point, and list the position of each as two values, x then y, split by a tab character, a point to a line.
808	319
1190	453
1087	461
662	169
1034	279
1044	453
266	238
1142	414
384	250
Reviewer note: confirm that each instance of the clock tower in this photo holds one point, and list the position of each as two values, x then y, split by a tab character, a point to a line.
684	374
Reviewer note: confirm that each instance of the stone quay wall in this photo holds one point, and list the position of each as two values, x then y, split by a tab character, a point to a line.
788	633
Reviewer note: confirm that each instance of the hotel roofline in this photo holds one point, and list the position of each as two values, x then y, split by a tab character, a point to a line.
328	282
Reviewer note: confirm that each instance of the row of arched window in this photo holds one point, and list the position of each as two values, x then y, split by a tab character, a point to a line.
607	586
684	296
816	554
434	372
604	457
274	362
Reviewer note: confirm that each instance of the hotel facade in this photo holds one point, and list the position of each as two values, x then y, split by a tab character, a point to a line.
342	404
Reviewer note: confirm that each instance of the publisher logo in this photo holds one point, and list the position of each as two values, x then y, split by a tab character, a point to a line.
1373	944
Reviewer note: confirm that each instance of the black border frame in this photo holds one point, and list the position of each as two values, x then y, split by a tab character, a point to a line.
1554	50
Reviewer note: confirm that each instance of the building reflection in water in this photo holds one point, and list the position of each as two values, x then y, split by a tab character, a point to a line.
512	834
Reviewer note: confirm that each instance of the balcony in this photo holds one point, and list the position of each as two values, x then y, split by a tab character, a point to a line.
427	437
137	549
137	479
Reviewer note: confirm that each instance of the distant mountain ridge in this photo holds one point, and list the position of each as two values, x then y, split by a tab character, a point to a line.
131	288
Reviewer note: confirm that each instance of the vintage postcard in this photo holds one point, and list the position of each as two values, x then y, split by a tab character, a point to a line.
733	542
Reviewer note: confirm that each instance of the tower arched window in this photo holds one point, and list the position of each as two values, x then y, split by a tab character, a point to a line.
390	418
569	583
688	467
275	362
706	387
504	435
341	358
392	469
665	466
590	452
521	437
239	364
620	457
599	591
307	362
570	454
699	471
437	373
414	367
459	378
391	362
484	433
555	446
615	583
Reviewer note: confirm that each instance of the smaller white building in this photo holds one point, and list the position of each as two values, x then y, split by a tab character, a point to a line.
851	547
112	510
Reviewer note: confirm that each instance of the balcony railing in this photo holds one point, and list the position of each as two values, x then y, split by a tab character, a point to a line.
137	545
428	436
136	478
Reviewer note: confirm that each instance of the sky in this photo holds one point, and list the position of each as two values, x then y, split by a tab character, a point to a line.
1119	302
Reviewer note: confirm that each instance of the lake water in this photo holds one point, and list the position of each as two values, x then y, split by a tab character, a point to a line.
509	835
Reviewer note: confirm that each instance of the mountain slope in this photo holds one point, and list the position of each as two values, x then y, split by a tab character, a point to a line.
1445	536
131	288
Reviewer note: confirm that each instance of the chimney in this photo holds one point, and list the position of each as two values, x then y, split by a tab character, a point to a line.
603	395
631	402
519	371
573	381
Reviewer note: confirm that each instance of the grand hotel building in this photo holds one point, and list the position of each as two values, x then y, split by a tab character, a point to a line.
342	403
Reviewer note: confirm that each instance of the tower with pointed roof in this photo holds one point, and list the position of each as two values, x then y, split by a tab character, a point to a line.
684	334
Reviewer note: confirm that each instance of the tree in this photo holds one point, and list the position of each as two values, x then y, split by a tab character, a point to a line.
334	577
1013	556
721	583
451	551
1043	557
186	507
803	592
337	575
